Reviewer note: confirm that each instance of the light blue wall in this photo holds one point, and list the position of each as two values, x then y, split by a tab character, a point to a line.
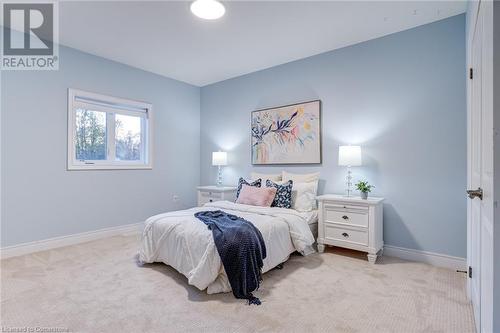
40	199
401	97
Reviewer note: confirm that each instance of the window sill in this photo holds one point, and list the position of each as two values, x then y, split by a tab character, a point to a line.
108	167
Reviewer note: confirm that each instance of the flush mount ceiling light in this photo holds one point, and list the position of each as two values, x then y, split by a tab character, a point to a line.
208	9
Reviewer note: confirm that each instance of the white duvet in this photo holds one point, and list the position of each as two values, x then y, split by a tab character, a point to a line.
182	241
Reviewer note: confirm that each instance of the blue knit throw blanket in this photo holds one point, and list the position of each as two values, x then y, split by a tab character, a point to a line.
241	249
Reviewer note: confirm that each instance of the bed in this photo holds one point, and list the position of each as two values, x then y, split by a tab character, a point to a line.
180	240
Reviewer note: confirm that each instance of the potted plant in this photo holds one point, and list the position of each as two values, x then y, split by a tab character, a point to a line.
364	188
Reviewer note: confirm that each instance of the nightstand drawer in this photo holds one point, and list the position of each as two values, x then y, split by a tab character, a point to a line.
346	207
213	195
359	218
204	200
351	235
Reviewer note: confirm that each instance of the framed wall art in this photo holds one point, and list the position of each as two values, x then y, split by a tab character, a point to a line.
289	134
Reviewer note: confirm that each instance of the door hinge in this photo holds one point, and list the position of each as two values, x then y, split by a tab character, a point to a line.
471	73
470	272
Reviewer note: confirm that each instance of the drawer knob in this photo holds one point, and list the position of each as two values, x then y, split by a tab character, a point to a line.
211	200
345	217
345	234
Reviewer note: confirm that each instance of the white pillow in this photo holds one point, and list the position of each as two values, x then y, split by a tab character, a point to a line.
264	177
301	178
312	178
304	196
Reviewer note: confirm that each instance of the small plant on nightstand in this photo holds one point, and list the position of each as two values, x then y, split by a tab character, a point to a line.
364	188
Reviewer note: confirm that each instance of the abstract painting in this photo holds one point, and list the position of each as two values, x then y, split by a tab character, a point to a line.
288	134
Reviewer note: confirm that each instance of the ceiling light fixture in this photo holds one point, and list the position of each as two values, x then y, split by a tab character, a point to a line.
208	9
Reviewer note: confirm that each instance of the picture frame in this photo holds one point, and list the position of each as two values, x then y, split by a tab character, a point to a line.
287	134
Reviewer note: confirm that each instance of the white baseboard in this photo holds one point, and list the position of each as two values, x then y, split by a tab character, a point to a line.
435	259
52	243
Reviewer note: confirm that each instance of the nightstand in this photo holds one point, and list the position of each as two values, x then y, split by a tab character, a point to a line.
215	193
352	223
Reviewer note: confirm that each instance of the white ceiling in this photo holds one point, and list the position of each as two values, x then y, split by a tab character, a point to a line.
165	38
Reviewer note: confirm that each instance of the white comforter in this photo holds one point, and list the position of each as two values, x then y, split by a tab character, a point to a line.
182	241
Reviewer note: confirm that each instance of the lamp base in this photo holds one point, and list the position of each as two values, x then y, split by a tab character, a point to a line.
219	177
348	182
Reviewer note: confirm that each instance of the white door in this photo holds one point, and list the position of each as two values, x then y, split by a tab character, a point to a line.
475	178
480	174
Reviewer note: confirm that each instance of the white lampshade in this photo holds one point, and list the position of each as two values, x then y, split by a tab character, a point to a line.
349	155
219	158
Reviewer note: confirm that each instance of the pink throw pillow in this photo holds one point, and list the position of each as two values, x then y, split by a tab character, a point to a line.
256	196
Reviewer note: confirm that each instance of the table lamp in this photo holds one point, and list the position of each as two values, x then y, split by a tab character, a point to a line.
219	159
349	156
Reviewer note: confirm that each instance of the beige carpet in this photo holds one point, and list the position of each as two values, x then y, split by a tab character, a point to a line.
98	287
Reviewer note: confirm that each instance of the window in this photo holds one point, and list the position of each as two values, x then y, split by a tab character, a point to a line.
107	132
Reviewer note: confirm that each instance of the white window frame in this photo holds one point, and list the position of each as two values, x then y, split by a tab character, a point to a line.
112	106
